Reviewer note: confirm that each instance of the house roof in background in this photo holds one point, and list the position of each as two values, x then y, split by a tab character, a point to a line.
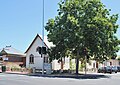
0	51
38	36
11	50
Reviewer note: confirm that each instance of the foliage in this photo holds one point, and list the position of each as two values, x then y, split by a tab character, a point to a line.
82	66
118	58
83	24
72	65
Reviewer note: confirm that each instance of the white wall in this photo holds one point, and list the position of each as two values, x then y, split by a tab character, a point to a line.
38	61
114	62
66	63
57	66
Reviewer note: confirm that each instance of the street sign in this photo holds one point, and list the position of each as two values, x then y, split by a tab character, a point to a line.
47	66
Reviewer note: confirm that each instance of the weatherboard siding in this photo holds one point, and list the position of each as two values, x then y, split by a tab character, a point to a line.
38	61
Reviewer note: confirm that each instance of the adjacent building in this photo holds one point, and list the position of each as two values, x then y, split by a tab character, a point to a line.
12	57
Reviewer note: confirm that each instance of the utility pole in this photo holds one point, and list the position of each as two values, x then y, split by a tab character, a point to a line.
42	55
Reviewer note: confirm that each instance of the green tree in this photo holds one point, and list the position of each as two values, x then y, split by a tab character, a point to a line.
84	25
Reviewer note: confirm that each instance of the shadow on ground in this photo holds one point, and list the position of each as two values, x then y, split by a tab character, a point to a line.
73	76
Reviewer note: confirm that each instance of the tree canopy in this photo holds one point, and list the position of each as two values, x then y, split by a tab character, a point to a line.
84	24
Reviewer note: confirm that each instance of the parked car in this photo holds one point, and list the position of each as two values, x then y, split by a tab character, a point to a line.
114	69
118	67
106	69
100	70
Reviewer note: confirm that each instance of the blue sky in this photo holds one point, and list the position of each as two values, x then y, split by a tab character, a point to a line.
21	20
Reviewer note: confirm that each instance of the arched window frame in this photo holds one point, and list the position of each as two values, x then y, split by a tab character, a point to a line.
31	59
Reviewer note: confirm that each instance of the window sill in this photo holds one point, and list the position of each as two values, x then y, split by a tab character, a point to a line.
31	63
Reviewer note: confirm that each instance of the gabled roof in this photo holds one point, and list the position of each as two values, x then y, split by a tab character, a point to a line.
38	36
12	51
0	51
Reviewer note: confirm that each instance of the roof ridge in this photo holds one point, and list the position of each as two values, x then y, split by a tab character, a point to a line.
34	41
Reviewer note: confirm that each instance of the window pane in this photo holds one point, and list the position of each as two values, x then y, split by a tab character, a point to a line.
31	59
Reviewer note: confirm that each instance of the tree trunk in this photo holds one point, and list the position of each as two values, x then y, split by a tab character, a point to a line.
61	69
77	65
77	62
85	64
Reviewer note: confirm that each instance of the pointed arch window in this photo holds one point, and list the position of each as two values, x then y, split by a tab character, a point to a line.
31	59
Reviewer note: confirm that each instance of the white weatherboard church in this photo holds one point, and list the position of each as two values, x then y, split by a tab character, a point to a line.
33	58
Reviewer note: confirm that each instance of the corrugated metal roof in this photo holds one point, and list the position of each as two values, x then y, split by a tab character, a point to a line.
11	50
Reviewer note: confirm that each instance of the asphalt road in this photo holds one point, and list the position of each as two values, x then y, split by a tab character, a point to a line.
15	79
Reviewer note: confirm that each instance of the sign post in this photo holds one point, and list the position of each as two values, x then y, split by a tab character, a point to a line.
48	68
43	39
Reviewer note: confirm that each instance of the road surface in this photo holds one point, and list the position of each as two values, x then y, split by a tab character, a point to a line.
15	79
